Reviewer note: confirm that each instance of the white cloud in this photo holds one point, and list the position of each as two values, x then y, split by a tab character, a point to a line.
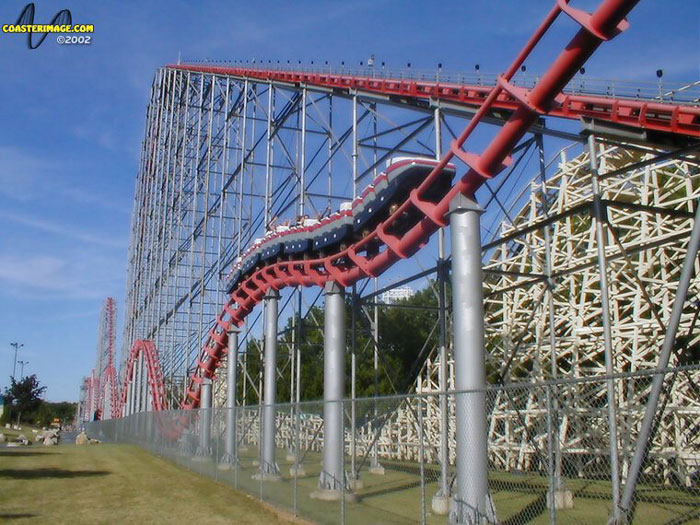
25	178
65	231
42	277
20	174
43	272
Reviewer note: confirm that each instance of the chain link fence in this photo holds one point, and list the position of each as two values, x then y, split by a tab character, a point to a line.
548	453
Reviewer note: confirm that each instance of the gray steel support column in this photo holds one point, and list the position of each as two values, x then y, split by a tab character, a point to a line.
137	384
559	496
268	466
132	392
354	146
230	456
374	466
302	163
600	219
440	503
129	397
470	495
204	448
268	155
333	474
354	478
144	380
134	386
645	433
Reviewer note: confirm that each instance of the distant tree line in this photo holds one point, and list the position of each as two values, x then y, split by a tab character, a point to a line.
23	401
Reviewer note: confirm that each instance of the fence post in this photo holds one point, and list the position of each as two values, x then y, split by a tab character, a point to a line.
551	494
421	454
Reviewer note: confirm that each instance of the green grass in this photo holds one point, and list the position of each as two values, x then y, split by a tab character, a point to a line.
115	484
395	498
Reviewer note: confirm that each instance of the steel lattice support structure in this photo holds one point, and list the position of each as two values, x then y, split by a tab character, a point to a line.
100	392
107	398
212	179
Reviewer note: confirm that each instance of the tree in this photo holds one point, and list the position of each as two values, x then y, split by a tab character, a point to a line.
24	396
47	412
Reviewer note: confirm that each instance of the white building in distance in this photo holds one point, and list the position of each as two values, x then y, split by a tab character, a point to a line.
397	294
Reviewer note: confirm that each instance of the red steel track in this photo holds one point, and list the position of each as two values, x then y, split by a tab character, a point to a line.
97	387
545	98
635	113
154	375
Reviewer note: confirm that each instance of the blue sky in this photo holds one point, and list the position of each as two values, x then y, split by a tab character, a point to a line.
73	119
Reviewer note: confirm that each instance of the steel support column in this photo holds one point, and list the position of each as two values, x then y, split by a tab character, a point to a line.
374	466
332	476
230	457
354	481
129	399
600	219
559	496
470	496
204	448
440	503
269	470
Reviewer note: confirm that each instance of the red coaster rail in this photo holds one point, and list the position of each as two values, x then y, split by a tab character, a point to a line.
637	112
154	376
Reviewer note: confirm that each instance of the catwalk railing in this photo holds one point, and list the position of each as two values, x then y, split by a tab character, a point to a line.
535	458
668	91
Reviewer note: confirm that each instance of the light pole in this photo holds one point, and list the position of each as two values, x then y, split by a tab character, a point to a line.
16	346
21	370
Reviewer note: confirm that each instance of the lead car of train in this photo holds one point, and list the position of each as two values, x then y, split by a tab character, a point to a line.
314	238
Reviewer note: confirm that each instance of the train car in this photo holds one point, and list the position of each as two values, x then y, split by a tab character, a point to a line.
353	220
300	240
274	244
334	230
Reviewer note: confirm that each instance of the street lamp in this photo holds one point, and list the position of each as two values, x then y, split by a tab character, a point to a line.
16	346
21	370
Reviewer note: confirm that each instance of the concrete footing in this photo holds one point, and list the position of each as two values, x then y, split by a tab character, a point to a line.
297	471
201	457
333	495
563	499
377	470
440	504
227	463
355	484
266	476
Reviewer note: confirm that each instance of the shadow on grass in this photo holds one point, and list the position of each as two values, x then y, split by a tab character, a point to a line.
14	516
383	489
529	512
50	473
27	453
